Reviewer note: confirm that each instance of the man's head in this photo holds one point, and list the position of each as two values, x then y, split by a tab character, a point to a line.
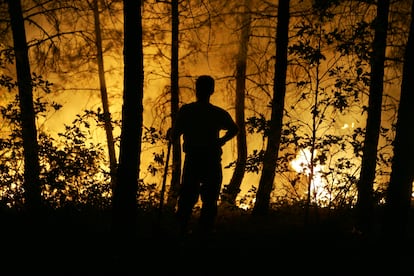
204	87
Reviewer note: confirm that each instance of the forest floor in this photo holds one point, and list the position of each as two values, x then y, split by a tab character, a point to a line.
280	243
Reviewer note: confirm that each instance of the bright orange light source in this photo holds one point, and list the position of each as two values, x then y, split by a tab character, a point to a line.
301	164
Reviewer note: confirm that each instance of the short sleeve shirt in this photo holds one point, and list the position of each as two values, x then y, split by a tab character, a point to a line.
200	125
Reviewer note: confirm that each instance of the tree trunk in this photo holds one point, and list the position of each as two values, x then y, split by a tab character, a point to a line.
125	193
104	96
176	147
28	117
233	188
402	175
365	204
261	206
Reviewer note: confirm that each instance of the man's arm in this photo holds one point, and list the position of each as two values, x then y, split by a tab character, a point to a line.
232	131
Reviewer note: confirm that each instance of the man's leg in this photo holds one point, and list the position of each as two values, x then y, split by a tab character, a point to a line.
184	210
188	196
210	191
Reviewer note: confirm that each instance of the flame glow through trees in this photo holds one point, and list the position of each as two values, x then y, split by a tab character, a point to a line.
301	164
209	49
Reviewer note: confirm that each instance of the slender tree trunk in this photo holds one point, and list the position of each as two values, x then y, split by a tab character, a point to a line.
315	113
176	147
364	206
402	175
275	129
125	193
28	116
104	96
233	188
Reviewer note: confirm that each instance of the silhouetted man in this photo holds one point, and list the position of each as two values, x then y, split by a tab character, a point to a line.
200	124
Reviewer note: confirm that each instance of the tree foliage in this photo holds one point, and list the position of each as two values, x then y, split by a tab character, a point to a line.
327	85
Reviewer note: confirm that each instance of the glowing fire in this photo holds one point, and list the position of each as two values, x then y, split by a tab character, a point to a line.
345	126
301	164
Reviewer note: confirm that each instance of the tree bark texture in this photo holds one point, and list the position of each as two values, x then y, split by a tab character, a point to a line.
265	188
402	175
125	194
233	188
27	117
104	96
364	206
176	147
